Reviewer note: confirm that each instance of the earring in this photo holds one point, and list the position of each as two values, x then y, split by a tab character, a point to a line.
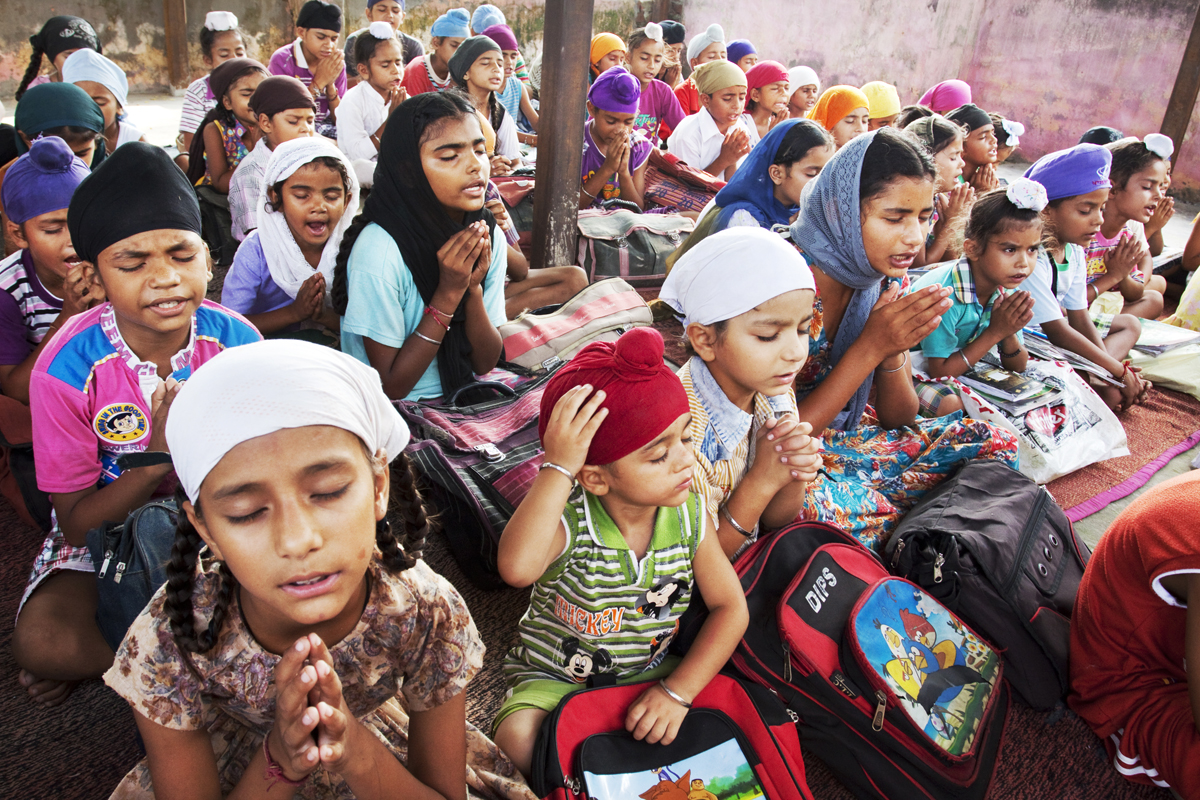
383	529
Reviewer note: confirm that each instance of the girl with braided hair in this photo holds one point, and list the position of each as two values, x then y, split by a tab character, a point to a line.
297	609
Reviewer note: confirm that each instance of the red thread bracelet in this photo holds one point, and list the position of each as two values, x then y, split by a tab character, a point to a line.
437	316
274	772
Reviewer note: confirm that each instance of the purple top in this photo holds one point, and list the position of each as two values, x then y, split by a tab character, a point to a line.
593	160
27	309
249	288
289	60
658	104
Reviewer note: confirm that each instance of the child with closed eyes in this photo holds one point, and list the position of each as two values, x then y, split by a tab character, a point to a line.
300	647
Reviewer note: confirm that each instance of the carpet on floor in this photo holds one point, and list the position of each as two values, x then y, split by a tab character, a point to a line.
1165	425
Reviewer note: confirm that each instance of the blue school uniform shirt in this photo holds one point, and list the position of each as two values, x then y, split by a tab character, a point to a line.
249	287
385	306
966	319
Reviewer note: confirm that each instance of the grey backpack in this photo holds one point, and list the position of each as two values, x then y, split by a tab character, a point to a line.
995	548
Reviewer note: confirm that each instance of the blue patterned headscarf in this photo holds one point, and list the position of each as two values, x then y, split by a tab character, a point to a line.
829	231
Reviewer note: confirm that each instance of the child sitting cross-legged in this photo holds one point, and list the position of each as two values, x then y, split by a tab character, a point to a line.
280	275
746	298
1002	242
612	527
1077	185
614	155
1140	171
104	387
364	111
297	608
477	68
316	61
44	283
228	132
283	110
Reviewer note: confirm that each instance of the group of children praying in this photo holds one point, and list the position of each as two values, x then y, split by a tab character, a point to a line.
301	643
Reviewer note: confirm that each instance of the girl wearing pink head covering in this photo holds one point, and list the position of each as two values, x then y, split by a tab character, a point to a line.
947	96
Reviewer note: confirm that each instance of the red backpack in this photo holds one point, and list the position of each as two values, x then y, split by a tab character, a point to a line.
897	696
737	739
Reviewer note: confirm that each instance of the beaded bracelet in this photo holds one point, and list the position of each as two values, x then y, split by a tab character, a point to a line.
437	316
274	772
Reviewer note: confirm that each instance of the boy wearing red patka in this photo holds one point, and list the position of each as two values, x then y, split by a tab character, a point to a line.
1131	633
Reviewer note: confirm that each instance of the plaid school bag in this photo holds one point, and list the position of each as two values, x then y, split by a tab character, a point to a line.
737	741
477	461
897	696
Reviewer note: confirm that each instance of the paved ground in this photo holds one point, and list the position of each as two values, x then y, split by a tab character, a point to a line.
158	116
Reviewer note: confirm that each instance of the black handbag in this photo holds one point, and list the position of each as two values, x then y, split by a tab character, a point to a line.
995	548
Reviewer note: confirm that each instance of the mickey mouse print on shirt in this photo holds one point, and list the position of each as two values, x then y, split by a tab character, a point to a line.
580	664
657	601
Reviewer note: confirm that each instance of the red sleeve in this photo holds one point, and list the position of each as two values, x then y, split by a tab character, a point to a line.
1161	526
672	112
415	80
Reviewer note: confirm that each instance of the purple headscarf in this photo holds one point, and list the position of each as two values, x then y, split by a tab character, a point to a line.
617	91
946	96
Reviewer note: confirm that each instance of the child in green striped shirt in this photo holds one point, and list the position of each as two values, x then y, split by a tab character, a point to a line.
613	540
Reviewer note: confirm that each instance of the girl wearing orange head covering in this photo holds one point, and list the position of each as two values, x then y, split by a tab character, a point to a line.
607	51
843	111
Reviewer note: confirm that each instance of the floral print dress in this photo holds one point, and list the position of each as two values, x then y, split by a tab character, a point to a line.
872	476
416	639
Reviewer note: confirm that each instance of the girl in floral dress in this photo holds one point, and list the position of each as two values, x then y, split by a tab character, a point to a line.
273	661
863	221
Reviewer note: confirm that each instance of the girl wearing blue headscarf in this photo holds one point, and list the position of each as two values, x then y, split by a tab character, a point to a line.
862	222
765	190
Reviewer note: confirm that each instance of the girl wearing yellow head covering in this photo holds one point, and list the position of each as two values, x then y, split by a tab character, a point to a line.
883	104
608	50
843	111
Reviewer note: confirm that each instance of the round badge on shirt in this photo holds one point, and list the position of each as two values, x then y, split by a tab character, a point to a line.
121	423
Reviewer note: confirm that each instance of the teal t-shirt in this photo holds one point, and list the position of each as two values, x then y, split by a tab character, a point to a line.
385	306
966	319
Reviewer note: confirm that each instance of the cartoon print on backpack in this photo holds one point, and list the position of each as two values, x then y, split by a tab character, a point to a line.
579	664
657	600
667	789
658	648
698	792
909	641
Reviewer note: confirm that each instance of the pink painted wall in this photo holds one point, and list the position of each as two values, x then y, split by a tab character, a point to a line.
1058	66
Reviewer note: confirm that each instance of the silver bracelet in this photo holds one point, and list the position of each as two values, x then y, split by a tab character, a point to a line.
736	527
589	194
663	683
963	356
562	469
432	341
902	363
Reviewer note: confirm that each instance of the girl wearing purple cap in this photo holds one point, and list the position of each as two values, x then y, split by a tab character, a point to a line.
614	157
1077	186
513	93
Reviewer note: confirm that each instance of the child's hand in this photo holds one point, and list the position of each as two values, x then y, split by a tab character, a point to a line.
655	717
1134	388
498	210
1011	313
291	738
573	423
626	152
160	405
338	728
457	259
328	69
80	289
1120	261
897	324
736	144
395	98
483	263
985	178
614	156
959	201
310	298
1161	216
785	452
501	165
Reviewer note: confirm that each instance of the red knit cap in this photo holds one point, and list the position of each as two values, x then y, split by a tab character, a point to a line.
643	395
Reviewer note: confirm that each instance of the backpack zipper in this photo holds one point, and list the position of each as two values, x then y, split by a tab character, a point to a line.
896	555
880	708
787	662
1026	543
938	561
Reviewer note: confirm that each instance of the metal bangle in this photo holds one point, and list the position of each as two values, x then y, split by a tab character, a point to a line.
902	363
432	341
589	194
963	356
736	527
663	683
560	468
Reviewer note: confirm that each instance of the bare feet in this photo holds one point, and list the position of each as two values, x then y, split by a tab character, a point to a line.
46	693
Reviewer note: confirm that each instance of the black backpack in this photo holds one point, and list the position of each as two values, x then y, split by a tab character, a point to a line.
995	548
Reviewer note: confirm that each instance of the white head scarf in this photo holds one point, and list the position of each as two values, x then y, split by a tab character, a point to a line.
732	272
802	76
287	265
713	34
88	65
277	384
220	20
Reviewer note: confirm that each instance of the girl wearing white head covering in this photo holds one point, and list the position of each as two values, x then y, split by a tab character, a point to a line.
281	272
282	454
105	82
805	87
746	297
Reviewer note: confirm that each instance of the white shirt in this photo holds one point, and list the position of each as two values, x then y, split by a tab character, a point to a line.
697	142
244	187
360	114
751	128
507	144
127	133
1071	291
